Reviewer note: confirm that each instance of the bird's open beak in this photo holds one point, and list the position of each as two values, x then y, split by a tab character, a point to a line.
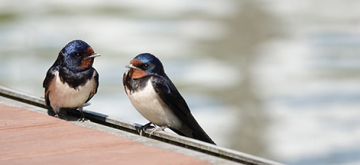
131	66
93	55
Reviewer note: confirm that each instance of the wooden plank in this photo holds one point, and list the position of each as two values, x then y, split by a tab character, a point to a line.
159	135
28	137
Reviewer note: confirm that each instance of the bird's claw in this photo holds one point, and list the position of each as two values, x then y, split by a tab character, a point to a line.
81	119
144	127
157	129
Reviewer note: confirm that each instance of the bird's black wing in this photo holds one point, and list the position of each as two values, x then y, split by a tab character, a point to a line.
126	81
96	85
50	74
172	98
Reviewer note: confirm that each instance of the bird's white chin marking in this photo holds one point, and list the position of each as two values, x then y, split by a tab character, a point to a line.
150	105
62	95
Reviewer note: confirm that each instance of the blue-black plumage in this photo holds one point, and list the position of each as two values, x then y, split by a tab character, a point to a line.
71	81
156	98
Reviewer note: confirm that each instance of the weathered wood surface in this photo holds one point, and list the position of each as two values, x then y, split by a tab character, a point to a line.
167	137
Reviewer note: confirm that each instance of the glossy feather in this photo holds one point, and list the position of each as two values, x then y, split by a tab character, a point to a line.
165	108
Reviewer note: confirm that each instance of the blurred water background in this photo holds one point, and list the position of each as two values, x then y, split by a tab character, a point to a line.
278	79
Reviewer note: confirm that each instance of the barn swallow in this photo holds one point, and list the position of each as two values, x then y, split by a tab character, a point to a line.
71	81
156	98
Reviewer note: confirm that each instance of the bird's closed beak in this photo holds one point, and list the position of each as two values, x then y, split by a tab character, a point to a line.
93	55
131	66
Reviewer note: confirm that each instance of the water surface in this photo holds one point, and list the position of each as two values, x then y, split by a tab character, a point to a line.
276	79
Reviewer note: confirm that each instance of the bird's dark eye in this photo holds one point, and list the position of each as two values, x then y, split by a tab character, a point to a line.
146	66
77	55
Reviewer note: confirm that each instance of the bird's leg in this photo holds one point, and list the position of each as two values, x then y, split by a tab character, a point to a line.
157	129
56	110
82	118
144	127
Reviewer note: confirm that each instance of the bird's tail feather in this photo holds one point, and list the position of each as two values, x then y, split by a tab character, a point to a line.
199	134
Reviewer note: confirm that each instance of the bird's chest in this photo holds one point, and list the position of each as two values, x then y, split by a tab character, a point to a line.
62	95
150	105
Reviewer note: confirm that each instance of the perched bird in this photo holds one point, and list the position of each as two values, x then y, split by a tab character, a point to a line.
156	98
71	81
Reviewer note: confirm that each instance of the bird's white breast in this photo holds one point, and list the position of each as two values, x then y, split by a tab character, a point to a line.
150	105
63	96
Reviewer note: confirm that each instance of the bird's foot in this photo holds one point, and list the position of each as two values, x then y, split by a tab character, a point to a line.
157	129
55	110
144	127
60	116
81	119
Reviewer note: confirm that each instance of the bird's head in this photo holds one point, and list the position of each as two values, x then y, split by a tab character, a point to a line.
77	56
145	64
